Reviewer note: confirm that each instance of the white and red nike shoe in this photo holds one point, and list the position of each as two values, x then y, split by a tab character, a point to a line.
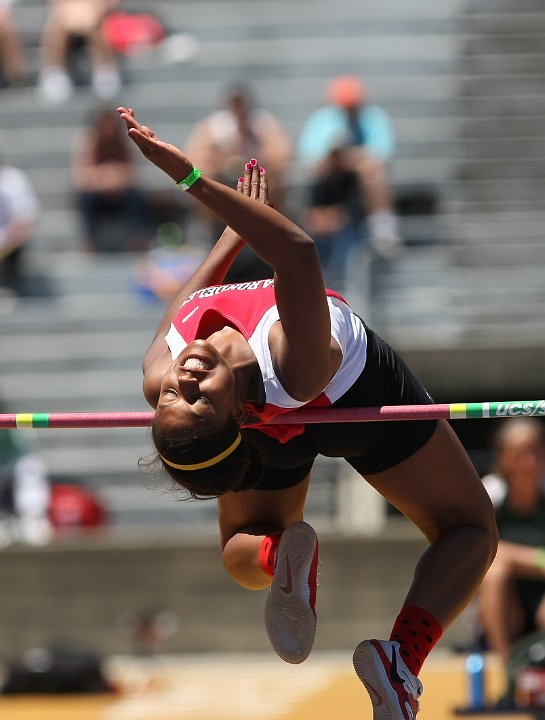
290	615
393	689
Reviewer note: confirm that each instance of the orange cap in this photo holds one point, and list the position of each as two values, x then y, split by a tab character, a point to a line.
346	91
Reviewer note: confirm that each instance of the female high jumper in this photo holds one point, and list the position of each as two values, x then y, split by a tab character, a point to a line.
226	359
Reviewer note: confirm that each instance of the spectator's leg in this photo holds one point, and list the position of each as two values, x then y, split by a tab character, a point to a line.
500	611
326	223
375	185
11	51
342	244
89	206
106	77
135	209
11	270
361	280
55	84
377	198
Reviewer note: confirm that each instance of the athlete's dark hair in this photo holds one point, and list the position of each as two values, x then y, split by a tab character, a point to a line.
241	470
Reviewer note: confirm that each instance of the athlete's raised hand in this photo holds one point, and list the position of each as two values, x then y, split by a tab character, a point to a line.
167	157
254	182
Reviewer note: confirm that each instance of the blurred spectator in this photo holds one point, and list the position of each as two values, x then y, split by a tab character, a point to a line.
105	179
346	145
512	596
228	138
67	20
220	145
19	210
24	493
167	266
12	60
222	142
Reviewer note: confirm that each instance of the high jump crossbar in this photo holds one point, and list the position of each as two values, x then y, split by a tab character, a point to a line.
447	411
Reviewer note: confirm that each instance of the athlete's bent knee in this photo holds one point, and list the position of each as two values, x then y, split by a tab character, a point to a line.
242	565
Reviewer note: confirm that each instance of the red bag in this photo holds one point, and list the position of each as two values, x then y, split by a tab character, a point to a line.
73	507
127	33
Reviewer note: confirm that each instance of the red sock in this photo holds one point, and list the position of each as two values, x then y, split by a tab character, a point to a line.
417	632
267	552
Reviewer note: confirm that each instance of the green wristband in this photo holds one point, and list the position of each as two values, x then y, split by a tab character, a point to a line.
539	558
190	180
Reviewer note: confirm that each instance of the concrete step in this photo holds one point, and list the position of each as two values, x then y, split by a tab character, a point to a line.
480	185
521	280
491	230
271	53
76	460
348	10
506	43
500	105
508	255
509	7
479	152
76	274
497	63
70	352
509	86
498	312
79	316
484	127
504	170
88	391
503	23
515	192
452	346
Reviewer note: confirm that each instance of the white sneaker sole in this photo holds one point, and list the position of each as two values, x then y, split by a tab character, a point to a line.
371	672
289	619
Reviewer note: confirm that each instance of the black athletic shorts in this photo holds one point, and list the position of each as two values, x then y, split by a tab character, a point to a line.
368	446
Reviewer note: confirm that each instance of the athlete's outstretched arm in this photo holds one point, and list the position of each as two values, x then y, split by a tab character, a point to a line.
211	271
299	288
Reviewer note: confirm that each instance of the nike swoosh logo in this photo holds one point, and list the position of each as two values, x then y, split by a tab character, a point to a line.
190	314
394	675
288	587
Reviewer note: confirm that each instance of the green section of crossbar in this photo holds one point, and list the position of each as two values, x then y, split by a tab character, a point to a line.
510	408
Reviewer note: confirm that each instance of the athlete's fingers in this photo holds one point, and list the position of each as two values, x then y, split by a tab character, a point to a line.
247	179
127	115
239	184
142	138
148	132
263	186
254	181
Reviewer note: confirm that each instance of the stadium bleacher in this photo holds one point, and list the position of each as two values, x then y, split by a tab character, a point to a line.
463	87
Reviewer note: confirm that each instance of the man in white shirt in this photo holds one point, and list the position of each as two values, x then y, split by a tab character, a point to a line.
19	210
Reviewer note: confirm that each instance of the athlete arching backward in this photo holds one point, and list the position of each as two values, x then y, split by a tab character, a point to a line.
219	368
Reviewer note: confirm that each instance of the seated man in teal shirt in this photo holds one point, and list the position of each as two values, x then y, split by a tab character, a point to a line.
349	136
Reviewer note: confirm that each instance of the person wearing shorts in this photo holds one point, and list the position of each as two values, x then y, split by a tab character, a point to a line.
227	360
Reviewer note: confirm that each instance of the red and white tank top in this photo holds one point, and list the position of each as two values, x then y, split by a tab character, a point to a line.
250	307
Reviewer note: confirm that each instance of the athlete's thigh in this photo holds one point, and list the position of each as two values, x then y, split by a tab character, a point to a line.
261	509
437	487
